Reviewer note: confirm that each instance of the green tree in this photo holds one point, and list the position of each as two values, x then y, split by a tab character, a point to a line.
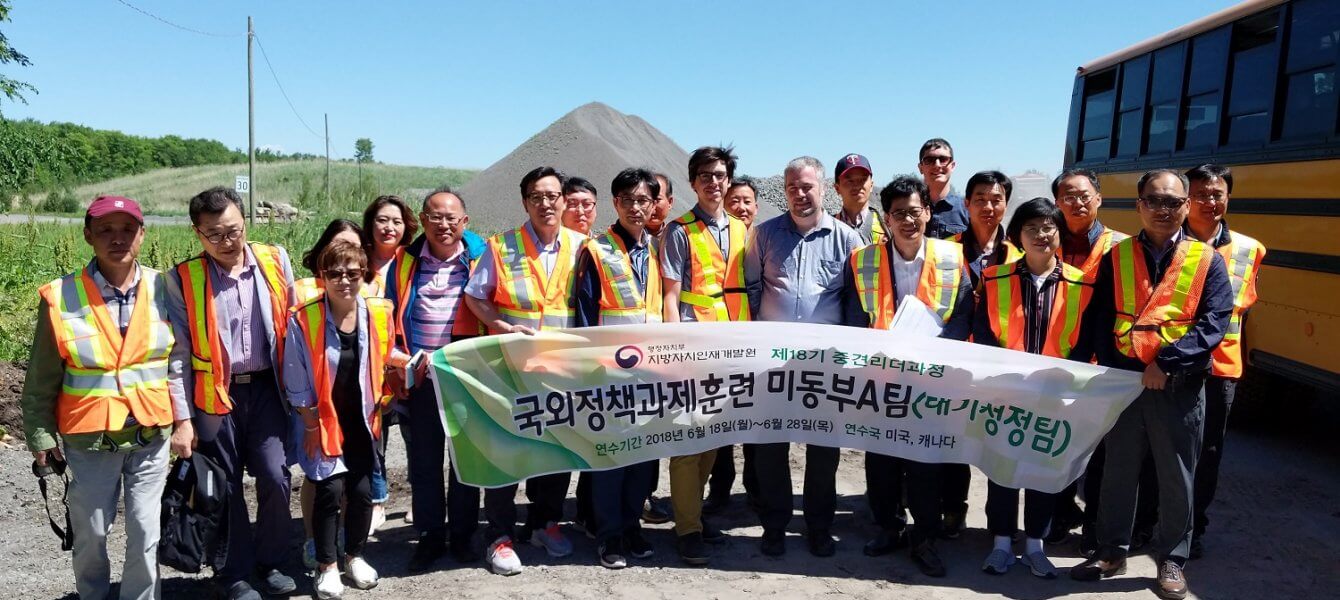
363	150
11	88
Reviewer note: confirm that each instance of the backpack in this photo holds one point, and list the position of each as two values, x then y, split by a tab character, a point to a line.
194	505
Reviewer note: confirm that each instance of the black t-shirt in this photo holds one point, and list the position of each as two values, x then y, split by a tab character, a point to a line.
348	399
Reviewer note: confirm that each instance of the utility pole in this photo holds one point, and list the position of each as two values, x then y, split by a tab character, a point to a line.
251	130
328	160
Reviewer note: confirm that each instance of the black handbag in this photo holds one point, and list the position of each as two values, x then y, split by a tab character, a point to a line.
194	504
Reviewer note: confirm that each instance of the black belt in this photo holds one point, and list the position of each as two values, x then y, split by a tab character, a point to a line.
253	377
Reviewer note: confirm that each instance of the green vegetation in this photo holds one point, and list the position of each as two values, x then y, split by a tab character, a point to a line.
11	88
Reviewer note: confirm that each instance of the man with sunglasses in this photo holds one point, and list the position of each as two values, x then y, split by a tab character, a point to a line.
233	302
426	281
1167	301
949	215
524	284
105	375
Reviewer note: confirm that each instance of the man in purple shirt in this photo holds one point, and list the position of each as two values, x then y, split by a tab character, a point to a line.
233	300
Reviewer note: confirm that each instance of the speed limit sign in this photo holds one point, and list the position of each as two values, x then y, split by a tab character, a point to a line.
242	185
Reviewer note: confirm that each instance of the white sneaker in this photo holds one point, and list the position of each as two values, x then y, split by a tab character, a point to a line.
328	584
309	554
552	540
378	518
360	573
502	558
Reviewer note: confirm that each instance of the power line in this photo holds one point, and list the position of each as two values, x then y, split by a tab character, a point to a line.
281	89
181	27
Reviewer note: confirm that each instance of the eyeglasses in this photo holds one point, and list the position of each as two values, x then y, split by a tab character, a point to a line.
341	274
709	176
1166	202
635	201
231	235
1045	230
1215	198
542	198
1082	199
931	161
437	219
582	206
907	214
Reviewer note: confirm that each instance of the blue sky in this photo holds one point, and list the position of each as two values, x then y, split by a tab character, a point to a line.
461	84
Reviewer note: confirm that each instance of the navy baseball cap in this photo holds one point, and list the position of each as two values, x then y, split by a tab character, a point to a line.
851	161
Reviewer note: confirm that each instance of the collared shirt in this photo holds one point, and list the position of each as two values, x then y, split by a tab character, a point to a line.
797	277
439	284
1158	259
676	258
484	281
906	273
949	217
959	326
46	375
238	298
863	223
979	259
589	290
1075	249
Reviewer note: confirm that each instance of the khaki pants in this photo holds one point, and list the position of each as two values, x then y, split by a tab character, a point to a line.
688	476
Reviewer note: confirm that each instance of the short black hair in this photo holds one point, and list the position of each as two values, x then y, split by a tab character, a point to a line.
989	178
707	155
537	174
1209	171
901	187
214	201
1033	209
1151	174
934	143
336	227
630	178
1068	173
442	189
669	185
578	184
743	181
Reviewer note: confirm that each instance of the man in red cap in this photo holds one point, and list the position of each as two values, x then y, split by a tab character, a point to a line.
853	180
105	377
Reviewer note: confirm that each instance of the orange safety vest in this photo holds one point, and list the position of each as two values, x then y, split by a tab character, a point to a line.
621	300
941	273
108	377
1012	253
1242	255
312	321
717	291
1090	263
403	267
524	296
1150	317
1005	308
308	289
211	386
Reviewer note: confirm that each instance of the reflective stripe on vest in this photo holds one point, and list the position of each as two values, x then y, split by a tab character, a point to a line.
1095	257
108	377
1005	308
1012	253
1242	255
308	289
717	291
312	321
621	299
1149	318
211	387
524	296
937	287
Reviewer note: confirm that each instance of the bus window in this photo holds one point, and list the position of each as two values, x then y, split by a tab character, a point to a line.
1253	82
1209	57
1100	94
1310	92
1164	92
1131	119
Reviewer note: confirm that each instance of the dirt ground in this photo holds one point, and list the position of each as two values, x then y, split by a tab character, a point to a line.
1275	533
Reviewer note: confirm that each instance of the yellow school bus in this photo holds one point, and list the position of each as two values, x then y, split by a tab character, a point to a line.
1252	87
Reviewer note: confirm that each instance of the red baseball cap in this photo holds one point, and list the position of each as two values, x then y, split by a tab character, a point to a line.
106	205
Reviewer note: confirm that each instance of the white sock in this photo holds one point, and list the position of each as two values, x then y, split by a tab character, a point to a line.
1032	545
1003	542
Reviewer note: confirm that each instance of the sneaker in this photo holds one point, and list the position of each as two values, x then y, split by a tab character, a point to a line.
378	518
692	550
1039	565
502	558
638	546
239	590
657	511
309	554
998	562
360	573
275	583
611	554
431	546
328	584
552	540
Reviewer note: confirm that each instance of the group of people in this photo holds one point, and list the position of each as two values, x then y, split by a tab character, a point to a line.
229	355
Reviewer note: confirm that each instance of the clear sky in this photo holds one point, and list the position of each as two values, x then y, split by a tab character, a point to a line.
462	83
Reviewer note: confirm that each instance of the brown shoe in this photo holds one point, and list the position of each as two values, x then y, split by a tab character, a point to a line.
1095	569
1172	582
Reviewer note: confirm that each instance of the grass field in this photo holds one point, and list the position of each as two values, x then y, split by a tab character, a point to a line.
300	183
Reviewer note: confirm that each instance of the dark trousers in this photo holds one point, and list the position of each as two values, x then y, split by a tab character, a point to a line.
884	490
1219	393
251	438
356	490
586	509
889	480
617	495
546	494
773	466
1002	511
1167	425
955	479
437	500
655	480
723	472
